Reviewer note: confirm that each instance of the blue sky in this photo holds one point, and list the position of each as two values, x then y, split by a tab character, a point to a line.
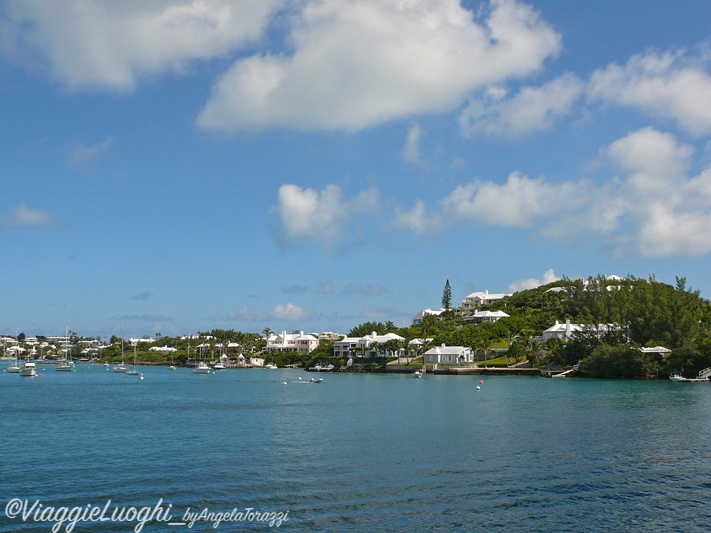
180	166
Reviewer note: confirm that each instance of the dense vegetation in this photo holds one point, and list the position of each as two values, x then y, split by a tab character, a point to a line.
637	313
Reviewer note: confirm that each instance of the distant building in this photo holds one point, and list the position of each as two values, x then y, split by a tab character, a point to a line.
417	319
485	316
567	332
449	355
367	346
292	342
479	299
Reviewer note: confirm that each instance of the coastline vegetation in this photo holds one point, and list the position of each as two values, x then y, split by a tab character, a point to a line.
618	317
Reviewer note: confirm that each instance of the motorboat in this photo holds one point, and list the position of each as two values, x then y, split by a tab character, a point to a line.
314	380
703	377
271	366
219	366
417	374
201	368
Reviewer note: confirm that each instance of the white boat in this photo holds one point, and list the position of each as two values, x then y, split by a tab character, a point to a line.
133	372
271	366
28	369
201	368
66	364
703	377
122	368
417	374
314	380
219	366
14	368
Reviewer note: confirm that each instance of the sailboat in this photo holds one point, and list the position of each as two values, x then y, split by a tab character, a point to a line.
14	368
122	368
201	367
66	364
133	372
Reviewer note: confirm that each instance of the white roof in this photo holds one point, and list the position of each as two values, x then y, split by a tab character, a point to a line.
656	349
484	314
443	350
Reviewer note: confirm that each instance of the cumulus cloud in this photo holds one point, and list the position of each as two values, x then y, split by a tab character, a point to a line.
671	85
112	45
652	208
285	312
23	216
359	64
320	215
532	109
520	202
531	283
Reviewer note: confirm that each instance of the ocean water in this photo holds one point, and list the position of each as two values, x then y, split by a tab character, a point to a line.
358	452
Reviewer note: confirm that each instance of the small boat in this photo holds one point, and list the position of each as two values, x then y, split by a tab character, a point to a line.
122	368
201	368
133	372
703	377
314	380
14	368
66	364
28	369
417	374
219	366
271	366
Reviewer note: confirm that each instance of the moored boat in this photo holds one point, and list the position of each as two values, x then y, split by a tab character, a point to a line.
28	369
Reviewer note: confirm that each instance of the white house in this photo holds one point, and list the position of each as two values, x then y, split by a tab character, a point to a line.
661	350
417	319
292	342
364	346
134	342
567	331
449	355
486	316
478	299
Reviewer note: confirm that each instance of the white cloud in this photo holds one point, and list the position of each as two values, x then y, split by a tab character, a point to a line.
652	209
359	64
670	85
531	283
306	213
520	202
108	44
81	154
532	109
285	312
411	152
23	216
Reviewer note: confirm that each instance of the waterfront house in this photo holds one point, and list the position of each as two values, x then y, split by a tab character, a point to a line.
449	355
292	342
367	346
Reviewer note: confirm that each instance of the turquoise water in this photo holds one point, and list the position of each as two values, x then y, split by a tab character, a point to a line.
360	452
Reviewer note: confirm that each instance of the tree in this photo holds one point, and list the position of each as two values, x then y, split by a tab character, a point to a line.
447	297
